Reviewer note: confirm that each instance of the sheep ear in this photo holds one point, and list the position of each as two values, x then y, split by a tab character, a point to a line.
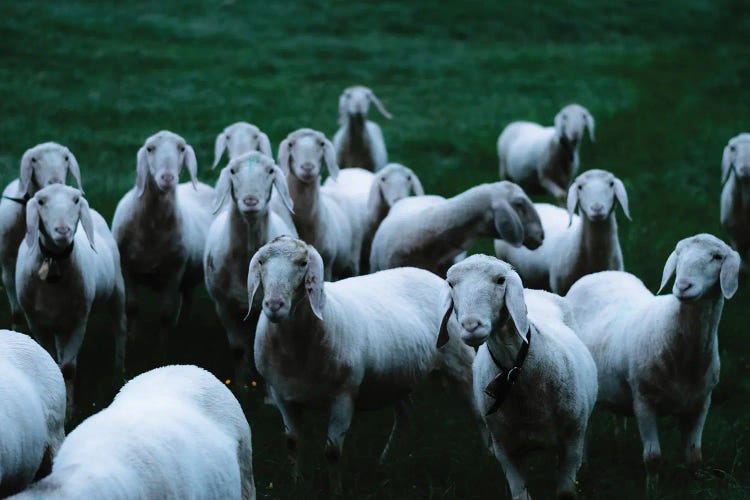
279	180
443	337
729	276
26	173
191	163
726	164
590	125
87	222
264	145
330	156
141	170
342	109
314	283
74	169
507	224
32	223
285	153
253	281
669	269
219	146
416	185
515	303
559	125
573	202
622	197
375	194
379	105
223	185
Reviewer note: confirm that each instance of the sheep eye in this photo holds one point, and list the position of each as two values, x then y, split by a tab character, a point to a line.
565	117
232	171
580	187
716	256
611	183
291	145
229	136
302	263
76	199
731	148
181	148
322	144
150	149
65	157
33	160
408	177
255	137
450	284
270	170
40	202
500	280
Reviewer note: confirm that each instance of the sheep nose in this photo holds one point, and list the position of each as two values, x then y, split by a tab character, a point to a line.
62	230
274	305
470	324
597	208
54	180
169	178
683	286
250	201
307	166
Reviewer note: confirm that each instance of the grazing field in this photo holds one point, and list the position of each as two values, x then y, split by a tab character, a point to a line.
667	83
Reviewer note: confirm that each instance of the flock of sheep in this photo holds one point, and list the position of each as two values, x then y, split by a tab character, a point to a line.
346	295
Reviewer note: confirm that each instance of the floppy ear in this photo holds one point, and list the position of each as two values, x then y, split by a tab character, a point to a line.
379	105
32	223
515	303
622	197
223	185
590	125
559	125
279	180
669	269
508	224
264	145
330	156
573	202
726	164
253	281
729	276
285	154
73	168
375	194
443	337
26	173
141	170
192	165
84	214
219	146
314	283
416	185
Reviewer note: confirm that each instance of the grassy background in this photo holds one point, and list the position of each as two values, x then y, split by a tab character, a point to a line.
666	82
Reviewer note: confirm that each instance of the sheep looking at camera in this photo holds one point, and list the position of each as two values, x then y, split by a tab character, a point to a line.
359	142
735	195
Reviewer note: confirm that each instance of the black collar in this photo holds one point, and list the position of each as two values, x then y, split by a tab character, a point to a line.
500	386
50	268
21	201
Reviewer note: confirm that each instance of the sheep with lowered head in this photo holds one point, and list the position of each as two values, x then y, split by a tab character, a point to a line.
534	380
658	355
546	158
359	142
42	165
735	195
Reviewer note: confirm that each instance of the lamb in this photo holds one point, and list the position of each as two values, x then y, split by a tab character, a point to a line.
545	158
369	197
574	245
161	227
359	343
234	237
172	432
32	411
318	217
430	232
735	195
658	355
534	380
42	165
359	141
68	262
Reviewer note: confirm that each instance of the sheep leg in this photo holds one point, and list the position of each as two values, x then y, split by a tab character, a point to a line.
17	318
240	344
691	426
117	308
68	347
516	481
131	305
401	416
647	427
342	410
553	188
171	301
291	414
569	462
245	452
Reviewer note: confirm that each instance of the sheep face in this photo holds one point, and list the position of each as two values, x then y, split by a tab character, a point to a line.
241	138
699	264
484	292
516	219
355	101
54	212
47	164
394	182
302	153
161	158
249	180
288	269
571	122
596	192
736	159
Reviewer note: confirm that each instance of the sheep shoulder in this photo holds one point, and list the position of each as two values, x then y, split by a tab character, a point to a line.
526	149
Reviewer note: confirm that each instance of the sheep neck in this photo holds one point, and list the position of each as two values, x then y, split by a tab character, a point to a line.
504	343
563	155
248	232
378	211
355	130
306	197
356	143
692	343
598	239
740	192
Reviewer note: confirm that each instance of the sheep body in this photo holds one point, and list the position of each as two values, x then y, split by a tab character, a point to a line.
32	413
735	195
173	432
359	142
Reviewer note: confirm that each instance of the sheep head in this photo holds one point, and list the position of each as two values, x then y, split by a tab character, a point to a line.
355	101
249	179
47	164
736	159
52	216
516	220
303	152
595	192
161	158
240	138
571	122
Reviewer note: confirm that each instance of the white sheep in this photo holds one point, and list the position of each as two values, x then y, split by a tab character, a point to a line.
574	245
173	432
368	197
735	195
160	227
658	355
318	217
234	237
430	232
534	380
32	413
544	157
359	142
42	165
359	343
67	263
240	138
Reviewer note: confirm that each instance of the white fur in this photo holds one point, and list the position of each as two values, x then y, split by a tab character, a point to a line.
735	195
173	432
32	412
359	142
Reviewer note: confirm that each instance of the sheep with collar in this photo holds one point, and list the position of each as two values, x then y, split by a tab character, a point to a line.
359	142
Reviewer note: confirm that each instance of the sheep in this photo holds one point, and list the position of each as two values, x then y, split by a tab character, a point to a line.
67	262
234	237
359	141
534	380
370	196
172	432
240	138
160	227
735	195
574	245
359	343
42	165
430	232
658	355
318	217
32	413
544	157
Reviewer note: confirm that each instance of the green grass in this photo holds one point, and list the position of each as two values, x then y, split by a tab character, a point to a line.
667	83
